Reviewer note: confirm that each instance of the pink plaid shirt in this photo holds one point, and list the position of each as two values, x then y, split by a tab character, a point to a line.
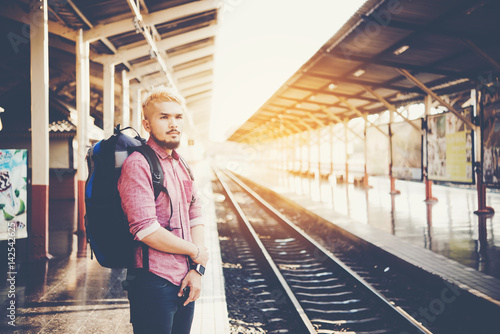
145	215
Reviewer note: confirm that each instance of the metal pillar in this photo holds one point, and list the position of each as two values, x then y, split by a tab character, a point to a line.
125	100
308	152
39	64
108	99
394	191
346	151
428	183
83	108
481	187
136	110
331	149
365	179
319	154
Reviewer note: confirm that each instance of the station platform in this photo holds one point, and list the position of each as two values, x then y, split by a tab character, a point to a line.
445	238
74	294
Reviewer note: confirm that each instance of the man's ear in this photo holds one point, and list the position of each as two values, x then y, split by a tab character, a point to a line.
145	124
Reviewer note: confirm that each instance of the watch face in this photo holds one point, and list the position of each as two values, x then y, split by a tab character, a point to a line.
200	269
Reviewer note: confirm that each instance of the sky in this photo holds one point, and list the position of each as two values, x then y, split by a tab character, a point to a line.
259	45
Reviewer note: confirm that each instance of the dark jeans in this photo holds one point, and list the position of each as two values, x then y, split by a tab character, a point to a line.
154	305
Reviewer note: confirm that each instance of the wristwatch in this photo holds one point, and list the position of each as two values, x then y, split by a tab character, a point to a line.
198	267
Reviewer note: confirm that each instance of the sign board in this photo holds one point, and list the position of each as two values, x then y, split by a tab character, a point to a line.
407	150
377	150
491	145
450	148
13	193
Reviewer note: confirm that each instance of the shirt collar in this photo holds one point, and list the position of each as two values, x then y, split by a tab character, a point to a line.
160	151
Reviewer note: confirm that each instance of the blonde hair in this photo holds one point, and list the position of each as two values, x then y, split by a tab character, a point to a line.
160	94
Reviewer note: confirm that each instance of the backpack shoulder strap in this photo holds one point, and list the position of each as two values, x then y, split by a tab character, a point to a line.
155	166
187	167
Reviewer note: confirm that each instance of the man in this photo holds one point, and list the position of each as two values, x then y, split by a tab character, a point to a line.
162	296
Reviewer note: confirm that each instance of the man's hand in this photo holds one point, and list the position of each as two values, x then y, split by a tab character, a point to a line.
193	281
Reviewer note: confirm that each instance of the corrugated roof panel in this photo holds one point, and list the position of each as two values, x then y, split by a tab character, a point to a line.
369	40
296	93
283	102
312	82
377	73
325	98
427	49
308	106
330	66
417	12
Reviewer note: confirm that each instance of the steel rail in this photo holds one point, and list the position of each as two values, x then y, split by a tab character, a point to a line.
301	313
396	309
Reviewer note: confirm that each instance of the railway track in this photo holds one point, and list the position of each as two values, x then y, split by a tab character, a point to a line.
326	295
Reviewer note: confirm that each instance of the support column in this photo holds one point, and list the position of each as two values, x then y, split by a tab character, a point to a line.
481	187
301	155
346	152
39	64
308	152
331	149
365	179
108	99
125	100
394	191
319	154
137	110
83	109
428	183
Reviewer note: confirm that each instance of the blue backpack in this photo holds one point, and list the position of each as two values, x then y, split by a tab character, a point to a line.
106	226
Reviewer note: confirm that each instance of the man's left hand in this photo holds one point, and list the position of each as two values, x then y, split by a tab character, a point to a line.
193	281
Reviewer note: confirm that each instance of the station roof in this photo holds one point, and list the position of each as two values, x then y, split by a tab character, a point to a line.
182	30
370	65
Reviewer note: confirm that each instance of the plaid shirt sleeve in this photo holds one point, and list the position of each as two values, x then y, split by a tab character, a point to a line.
136	191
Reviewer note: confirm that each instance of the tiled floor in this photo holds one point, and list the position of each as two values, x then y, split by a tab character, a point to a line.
76	295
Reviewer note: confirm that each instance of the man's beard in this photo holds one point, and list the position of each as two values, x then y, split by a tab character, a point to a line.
170	145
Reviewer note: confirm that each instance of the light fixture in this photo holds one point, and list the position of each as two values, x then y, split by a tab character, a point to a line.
313	98
298	106
401	50
332	86
359	73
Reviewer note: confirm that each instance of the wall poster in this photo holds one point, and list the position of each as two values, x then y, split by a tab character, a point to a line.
377	150
491	145
407	150
450	148
13	193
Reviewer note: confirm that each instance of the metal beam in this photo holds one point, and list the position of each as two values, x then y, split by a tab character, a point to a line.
151	19
125	54
356	111
104	40
15	13
391	108
423	87
482	54
191	55
189	71
197	89
155	67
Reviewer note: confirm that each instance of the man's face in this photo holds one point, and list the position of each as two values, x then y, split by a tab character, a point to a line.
165	123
